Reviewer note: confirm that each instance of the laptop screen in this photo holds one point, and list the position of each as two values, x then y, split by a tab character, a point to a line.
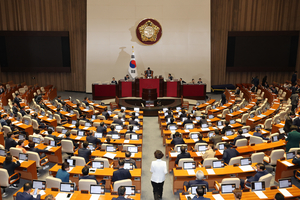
232	121
115	136
220	123
71	162
43	113
123	108
178	108
257	127
23	156
198	118
218	163
173	127
204	125
136	109
128	166
2	152
227	188
87	124
229	132
52	143
67	187
93	116
91	147
74	122
36	140
275	138
194	136
63	131
118	127
87	107
97	189
210	134
98	135
165	109
290	155
109	112
110	148
71	112
245	161
211	116
281	131
21	137
80	133
134	136
38	184
50	116
285	183
245	130
98	164
252	115
137	120
132	149
189	165
202	148
166	114
26	121
258	186
130	190
189	126
135	128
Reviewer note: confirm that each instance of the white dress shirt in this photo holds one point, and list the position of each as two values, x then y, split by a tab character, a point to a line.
158	170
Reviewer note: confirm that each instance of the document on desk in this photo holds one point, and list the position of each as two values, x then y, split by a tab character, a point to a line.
15	122
285	192
288	163
246	135
72	126
191	172
174	154
63	196
85	128
61	135
198	153
186	130
78	138
110	155
217	197
221	151
246	168
225	138
260	194
210	171
251	119
126	141
189	195
94	196
70	169
205	129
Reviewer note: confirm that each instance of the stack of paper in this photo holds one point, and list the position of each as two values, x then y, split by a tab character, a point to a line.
191	172
174	154
78	138
221	151
85	128
210	171
217	197
198	153
285	192
189	195
126	141
70	169
225	138
94	197
287	163
110	155
186	130
246	135
246	168
260	194
63	196
205	129
72	126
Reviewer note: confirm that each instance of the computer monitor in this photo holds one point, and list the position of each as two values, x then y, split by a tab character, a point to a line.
231	110
178	149
194	136
97	189
281	131
258	112
130	190
189	126
290	155
21	137
2	152
87	124
227	188
172	127
220	123
50	116
232	121
258	186
229	133
165	109
98	164
198	118
91	147
43	113
275	138
245	130
210	134
98	135
194	188
74	122
211	116
252	115
94	117
115	136
110	148
124	108
87	107
246	161
41	185
80	133
135	128
137	120
67	187
134	136
221	146
213	107
166	113
109	112
71	162
189	165
285	183
218	163
26	121
18	118
23	156
128	165
132	149
118	127
52	143
202	148
36	140
257	127
136	109
71	112
204	125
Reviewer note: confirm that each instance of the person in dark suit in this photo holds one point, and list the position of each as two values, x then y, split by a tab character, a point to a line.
121	173
114	81
85	174
59	100
68	138
112	128
3	120
85	101
202	121
294	100
226	127
15	109
183	154
105	113
63	119
223	97
27	194
49	131
10	166
171	122
252	88
237	91
148	72
200	192
229	153
22	111
182	81
200	139
217	137
199	180
121	193
261	171
126	77
178	139
117	120
39	151
133	122
10	142
296	122
41	124
294	78
200	81
296	160
183	114
169	115
258	133
91	139
130	130
255	81
102	128
84	152
239	136
170	77
14	130
1	89
128	159
187	121
288	122
17	100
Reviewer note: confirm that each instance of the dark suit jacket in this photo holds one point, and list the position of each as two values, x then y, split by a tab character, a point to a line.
177	140
118	121
287	125
119	198
93	177
202	121
256	177
92	139
228	154
216	139
105	114
101	129
26	196
188	121
23	112
121	174
196	182
10	167
148	72
3	122
114	82
15	110
182	155
17	100
85	153
86	103
79	111
133	122
257	134
9	142
294	78
125	78
226	128
296	122
237	92
223	96
201	141
237	138
293	140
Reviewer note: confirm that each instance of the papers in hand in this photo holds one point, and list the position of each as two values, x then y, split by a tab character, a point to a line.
72	126
285	192
110	155
217	197
260	194
210	171
191	172
246	168
287	163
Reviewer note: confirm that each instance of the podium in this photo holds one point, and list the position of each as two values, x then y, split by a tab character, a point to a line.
149	96
126	88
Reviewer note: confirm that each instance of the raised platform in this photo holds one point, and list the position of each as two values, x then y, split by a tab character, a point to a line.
150	110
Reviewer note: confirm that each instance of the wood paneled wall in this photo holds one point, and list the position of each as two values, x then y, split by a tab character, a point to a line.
249	15
49	15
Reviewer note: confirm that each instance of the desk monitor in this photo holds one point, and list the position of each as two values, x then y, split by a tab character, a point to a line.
135	128
285	183
290	155
227	188
87	107
210	134
134	136
189	126
198	103
198	118
67	187
137	120
36	140
18	118
63	131
71	162
252	115
130	190
204	125
178	149
194	136
189	165
220	123
246	161
50	116
183	119
91	147
74	122
165	113
128	165
123	108
43	113
71	112
23	156
115	136
221	147
193	111
26	121
229	133
202	148
2	152
94	116
213	107
118	127
218	163
80	133
165	109
109	112
41	185
136	109
21	137
232	121
122	119
231	110
258	112
52	143
245	130
98	164
211	116
132	149
87	124
258	186
178	108
168	120
98	135
257	127
110	148
275	138
97	189
281	131
194	188
172	127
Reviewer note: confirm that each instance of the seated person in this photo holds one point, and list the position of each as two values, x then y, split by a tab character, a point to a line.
169	115
27	114
102	128
239	136
226	127
121	193
112	128
296	160
113	81
12	127
117	120
130	130
92	139
183	114
200	136
49	131
261	171
41	124
121	173
105	113
148	72
183	154
198	112
21	145
187	121
77	126
37	150
1	89
237	91
85	101
200	192
171	122
65	107
200	81
258	133
126	77
229	153
27	193
15	109
278	196
36	133
84	152
216	138
122	113
199	180
133	122
3	120
63	173
85	174
209	153
192	82
177	139
62	118
22	111
59	99
128	159
10	166
182	81
78	109
202	121
75	144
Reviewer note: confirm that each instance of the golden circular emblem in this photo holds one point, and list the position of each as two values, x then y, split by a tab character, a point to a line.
149	31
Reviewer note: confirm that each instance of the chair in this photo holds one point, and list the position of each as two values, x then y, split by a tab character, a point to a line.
189	125
208	162
217	145
235	160
182	160
81	122
85	184
96	112
80	161
35	124
27	118
196	147
48	112
96	124
47	139
15	151
67	146
274	134
258	92
257	157
247	127
223	115
282	96
206	110
241	142
20	116
52	182
294	149
117	184
243	119
105	161
1	146
275	155
267	179
179	145
6	180
59	129
6	129
255	140
58	119
101	117
104	145
38	161
259	98
268	124
114	105
235	181
77	113
74	132
125	146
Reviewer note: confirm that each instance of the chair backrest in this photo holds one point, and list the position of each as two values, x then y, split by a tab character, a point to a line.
255	140
1	146
275	155
208	162
101	117
235	181
58	119
105	161
20	116
15	151
34	156
6	130
52	182
247	127
96	124
84	184
77	113
125	146
257	157
81	122
182	160
179	145
35	124
125	182
4	178
47	139
268	124
207	109
67	146
294	149
199	144
267	179
282	115
80	161
104	145
27	118
274	134
59	129
235	160
241	142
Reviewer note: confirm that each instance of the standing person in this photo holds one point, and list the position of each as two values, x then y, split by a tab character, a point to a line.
263	82
223	97
294	100
158	170
27	193
293	139
288	122
294	78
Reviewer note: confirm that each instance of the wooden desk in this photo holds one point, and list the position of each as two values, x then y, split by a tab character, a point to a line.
284	171
104	91
194	91
2	138
219	110
203	106
101	174
240	112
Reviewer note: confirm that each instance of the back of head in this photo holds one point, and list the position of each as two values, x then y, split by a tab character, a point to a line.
298	152
227	145
49	197
67	133
177	134
203	117
49	131
85	144
199	175
279	196
8	159
189	116
65	166
112	127
127	154
226	123
172	120
240	131
158	154
85	170
121	191
130	128
9	134
27	186
237	193
217	132
27	112
121	162
31	144
77	124
20	142
200	191
200	136
261	166
102	124
294	127
182	149
108	139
